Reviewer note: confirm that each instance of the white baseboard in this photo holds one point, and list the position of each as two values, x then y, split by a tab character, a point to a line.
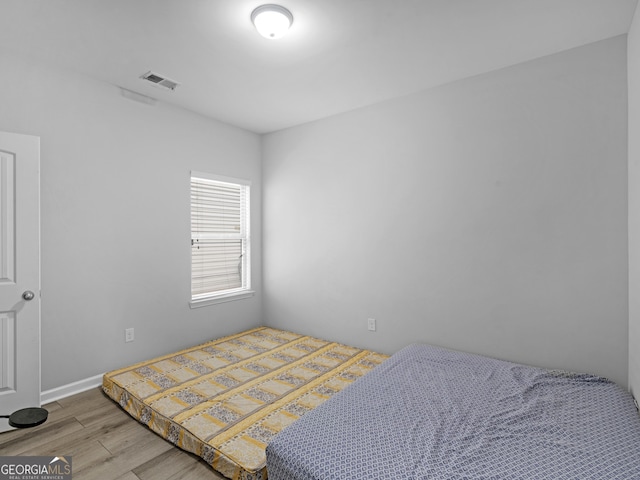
63	391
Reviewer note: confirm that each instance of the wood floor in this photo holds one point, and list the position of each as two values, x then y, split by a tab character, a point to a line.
105	443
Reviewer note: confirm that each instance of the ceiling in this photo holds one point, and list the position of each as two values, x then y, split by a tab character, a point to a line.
339	54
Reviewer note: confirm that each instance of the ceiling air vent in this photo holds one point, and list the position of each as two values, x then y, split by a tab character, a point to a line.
160	81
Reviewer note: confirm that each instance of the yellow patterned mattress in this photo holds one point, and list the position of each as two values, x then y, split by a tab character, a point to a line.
224	400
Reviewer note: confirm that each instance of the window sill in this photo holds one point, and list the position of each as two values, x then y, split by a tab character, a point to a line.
229	297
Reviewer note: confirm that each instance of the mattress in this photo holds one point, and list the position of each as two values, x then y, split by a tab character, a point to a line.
226	399
433	413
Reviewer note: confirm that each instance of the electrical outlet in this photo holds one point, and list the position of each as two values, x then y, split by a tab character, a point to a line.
371	324
128	335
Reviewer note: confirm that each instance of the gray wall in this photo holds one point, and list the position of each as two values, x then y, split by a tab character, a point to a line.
115	218
487	215
634	205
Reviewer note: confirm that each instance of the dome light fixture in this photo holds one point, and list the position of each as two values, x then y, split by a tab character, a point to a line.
272	21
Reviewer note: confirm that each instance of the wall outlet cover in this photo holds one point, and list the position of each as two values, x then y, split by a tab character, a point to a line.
129	335
371	324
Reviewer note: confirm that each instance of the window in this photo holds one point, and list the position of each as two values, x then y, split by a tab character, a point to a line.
220	240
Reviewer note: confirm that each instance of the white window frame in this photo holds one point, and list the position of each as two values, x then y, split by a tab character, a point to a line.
244	291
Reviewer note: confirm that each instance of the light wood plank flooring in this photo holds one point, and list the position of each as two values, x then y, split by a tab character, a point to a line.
104	442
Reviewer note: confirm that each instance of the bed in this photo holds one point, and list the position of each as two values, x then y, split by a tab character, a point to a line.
226	399
432	413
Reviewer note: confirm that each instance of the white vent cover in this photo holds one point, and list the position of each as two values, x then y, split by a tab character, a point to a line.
160	80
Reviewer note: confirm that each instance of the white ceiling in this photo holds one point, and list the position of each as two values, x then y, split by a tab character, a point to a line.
339	54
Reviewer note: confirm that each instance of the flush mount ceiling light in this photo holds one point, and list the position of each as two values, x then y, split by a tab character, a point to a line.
271	21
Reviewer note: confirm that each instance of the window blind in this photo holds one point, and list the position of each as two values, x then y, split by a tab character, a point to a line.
219	236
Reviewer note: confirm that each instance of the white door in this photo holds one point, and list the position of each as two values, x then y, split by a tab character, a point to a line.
19	273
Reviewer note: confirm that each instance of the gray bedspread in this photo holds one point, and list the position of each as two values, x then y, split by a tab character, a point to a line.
432	413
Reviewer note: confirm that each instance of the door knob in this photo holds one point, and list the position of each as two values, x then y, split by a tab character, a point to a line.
28	295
